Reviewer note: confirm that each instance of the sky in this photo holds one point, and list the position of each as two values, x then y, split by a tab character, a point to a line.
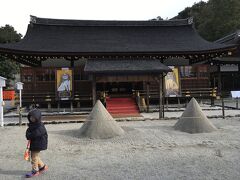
17	12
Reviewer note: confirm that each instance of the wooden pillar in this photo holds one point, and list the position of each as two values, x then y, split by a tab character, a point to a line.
72	63
179	102
94	98
49	106
71	102
147	98
78	104
71	106
219	81
160	97
167	103
214	81
58	105
163	93
223	109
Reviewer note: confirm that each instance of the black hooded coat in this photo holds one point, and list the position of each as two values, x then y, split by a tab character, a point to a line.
36	132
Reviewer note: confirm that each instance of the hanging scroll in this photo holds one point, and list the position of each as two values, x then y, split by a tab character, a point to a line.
64	84
172	85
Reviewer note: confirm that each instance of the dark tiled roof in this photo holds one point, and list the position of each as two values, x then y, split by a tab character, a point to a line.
233	38
226	60
76	37
96	66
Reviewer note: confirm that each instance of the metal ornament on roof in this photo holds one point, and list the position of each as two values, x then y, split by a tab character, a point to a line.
190	20
33	19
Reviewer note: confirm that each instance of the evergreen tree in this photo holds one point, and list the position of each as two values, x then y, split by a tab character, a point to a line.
219	18
8	67
214	19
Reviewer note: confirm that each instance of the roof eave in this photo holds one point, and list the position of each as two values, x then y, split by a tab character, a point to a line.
55	53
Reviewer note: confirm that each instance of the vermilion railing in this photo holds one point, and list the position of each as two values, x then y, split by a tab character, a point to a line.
8	95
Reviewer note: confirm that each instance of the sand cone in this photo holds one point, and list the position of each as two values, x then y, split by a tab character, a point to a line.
100	124
193	120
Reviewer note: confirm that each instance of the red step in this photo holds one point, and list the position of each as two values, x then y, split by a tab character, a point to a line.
122	107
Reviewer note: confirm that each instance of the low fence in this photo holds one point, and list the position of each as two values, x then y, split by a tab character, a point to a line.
143	97
227	103
206	96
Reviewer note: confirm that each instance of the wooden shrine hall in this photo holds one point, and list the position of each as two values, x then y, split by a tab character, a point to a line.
75	62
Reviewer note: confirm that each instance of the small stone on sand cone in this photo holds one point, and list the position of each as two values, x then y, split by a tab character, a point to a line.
193	120
100	124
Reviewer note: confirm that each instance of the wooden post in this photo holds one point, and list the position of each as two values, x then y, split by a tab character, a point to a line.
1	106
20	107
163	94
49	106
160	97
223	109
179	103
214	81
71	106
72	63
78	104
237	103
219	82
104	99
138	99
167	103
58	105
94	90
212	97
147	98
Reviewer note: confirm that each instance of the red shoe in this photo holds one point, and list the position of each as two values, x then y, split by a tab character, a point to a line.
44	168
32	174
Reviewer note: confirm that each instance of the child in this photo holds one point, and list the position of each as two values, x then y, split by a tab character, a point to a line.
37	134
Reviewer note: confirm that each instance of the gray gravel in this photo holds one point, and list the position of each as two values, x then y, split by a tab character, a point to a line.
148	150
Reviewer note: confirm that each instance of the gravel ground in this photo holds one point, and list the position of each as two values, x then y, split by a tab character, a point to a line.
148	150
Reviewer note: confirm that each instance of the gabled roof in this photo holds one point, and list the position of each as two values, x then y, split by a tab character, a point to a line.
99	66
226	60
233	38
75	37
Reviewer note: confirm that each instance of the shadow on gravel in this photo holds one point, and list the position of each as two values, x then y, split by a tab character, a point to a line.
160	128
70	132
12	172
75	132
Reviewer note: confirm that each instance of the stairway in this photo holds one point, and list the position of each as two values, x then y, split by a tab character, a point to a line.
122	107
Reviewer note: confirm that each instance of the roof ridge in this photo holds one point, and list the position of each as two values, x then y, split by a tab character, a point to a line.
74	22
